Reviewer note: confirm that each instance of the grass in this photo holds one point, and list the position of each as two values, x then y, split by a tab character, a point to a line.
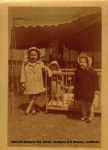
55	127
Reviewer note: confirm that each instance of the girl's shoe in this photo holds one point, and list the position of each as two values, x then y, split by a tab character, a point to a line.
55	103
60	104
88	120
25	113
38	110
50	103
83	119
33	112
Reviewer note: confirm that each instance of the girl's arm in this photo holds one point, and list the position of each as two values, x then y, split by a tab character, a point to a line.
45	68
95	81
75	84
22	79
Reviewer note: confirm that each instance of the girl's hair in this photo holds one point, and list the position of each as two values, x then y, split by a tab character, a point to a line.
37	51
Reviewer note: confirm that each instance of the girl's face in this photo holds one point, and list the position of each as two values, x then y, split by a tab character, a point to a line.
54	68
83	63
33	56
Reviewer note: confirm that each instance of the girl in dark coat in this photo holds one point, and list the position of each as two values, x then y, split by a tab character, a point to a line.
86	85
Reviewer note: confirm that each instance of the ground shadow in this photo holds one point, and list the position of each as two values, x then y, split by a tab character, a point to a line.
75	115
23	107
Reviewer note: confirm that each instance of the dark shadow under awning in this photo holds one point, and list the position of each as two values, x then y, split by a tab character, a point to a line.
82	33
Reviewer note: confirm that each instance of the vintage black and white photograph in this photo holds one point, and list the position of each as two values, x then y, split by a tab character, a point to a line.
54	76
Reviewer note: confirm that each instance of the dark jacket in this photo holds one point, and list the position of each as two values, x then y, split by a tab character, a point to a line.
86	83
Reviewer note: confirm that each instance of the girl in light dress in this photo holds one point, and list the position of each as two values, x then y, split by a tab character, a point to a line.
31	77
55	91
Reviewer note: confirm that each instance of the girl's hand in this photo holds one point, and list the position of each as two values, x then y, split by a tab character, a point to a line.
59	81
96	92
49	73
23	85
69	78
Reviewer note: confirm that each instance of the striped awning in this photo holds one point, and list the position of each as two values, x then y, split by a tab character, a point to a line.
81	31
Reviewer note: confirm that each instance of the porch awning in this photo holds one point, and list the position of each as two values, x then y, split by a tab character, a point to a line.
83	32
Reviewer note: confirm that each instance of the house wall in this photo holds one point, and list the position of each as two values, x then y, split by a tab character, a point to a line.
55	50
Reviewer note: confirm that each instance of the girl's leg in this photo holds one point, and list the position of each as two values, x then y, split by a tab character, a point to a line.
33	109
54	93
30	106
54	89
83	107
60	101
33	106
91	110
58	95
31	103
